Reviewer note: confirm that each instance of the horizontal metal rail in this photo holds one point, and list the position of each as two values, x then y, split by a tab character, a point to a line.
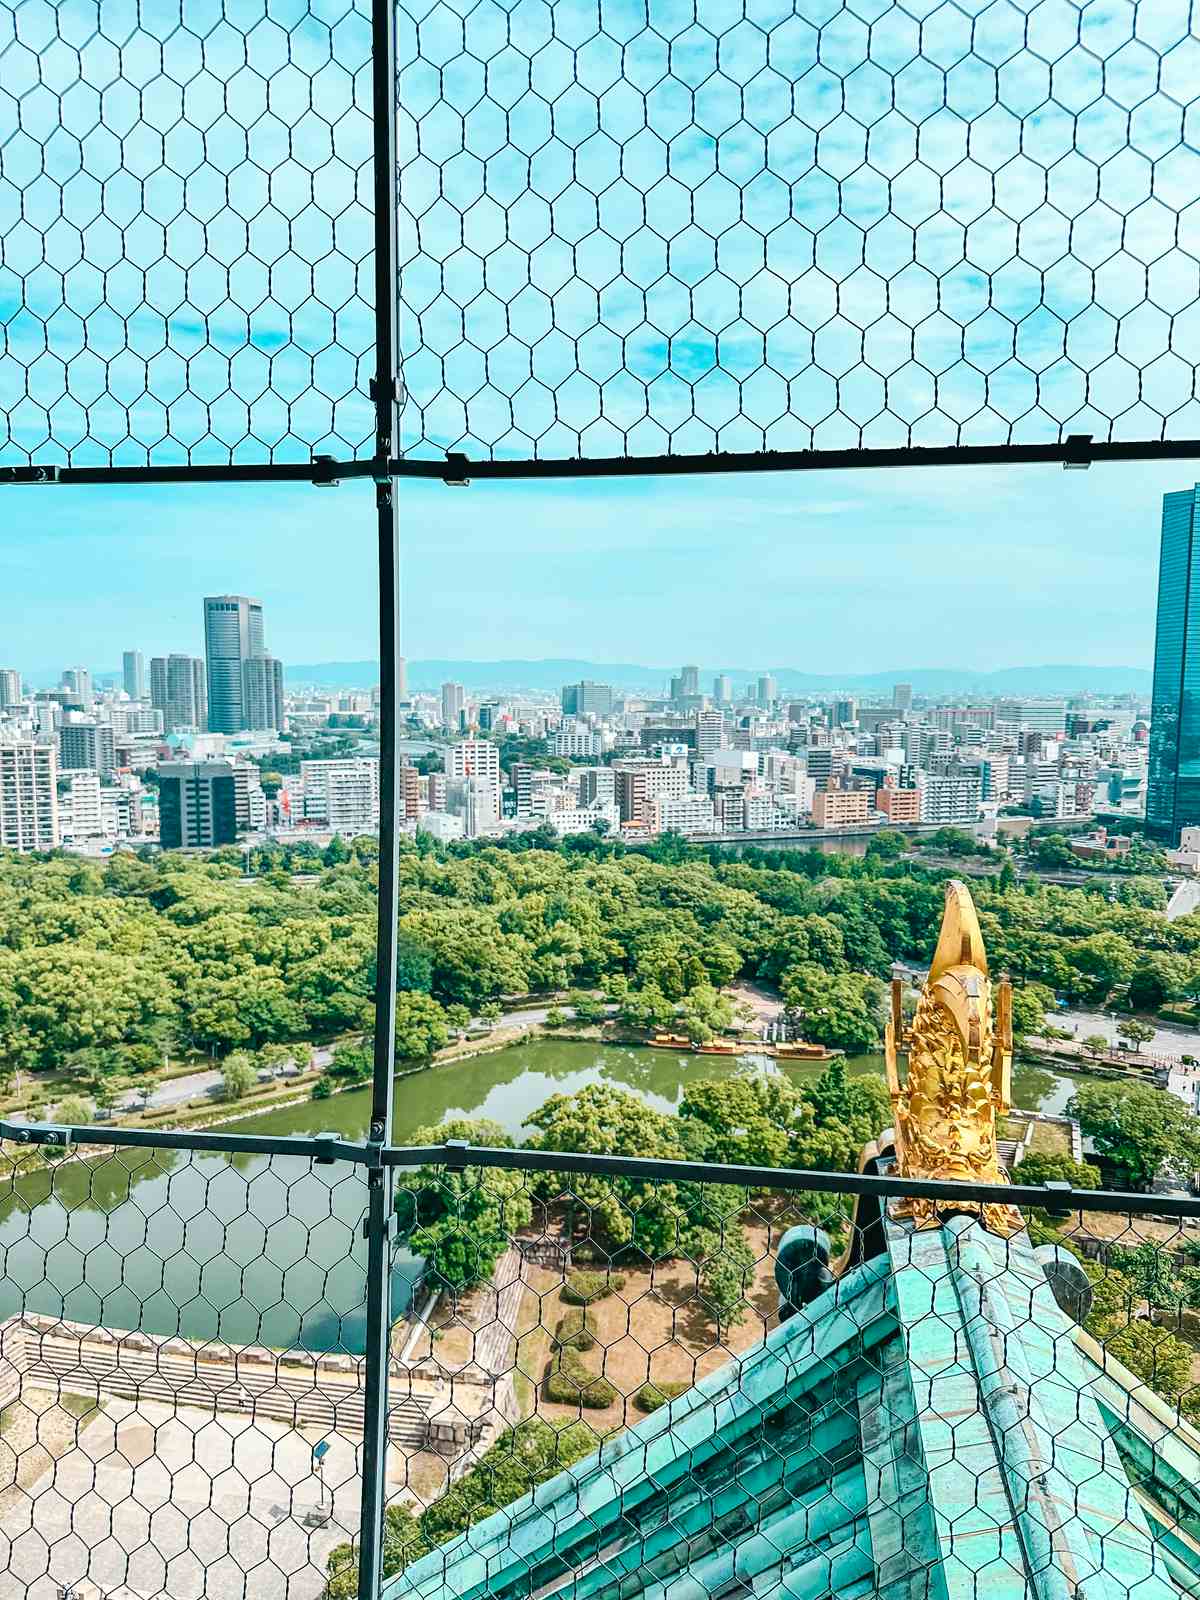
51	1135
1078	450
1061	1196
457	1157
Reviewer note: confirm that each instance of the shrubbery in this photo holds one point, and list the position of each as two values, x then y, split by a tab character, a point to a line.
570	1382
582	1288
573	1330
653	1395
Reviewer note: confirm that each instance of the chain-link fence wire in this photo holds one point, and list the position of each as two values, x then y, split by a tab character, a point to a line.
181	1383
685	226
186	231
736	1387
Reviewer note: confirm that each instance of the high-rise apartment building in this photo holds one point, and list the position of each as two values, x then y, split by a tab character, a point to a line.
28	796
454	698
344	794
689	680
710	733
768	690
1173	776
262	692
10	686
722	688
473	758
233	636
133	669
77	681
902	696
86	743
179	689
197	804
587	699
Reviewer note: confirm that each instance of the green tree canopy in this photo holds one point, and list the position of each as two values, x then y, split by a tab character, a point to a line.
1143	1130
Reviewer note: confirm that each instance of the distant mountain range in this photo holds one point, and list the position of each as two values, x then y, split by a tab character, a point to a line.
550	675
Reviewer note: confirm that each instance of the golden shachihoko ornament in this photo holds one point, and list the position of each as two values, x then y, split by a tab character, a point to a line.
958	1080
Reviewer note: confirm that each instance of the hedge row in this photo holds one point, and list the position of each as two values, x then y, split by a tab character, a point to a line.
573	1330
582	1288
570	1382
652	1395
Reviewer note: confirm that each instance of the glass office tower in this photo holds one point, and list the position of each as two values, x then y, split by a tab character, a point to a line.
1173	780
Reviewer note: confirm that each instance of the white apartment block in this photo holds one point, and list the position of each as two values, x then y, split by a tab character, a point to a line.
79	813
583	819
28	796
578	744
344	795
683	813
473	758
949	801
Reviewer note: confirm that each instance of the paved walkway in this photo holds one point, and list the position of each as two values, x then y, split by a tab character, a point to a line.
180	1506
499	1310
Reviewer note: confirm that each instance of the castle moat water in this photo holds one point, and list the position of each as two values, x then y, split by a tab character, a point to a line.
268	1250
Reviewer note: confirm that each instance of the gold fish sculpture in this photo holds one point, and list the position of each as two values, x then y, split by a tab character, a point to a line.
958	1080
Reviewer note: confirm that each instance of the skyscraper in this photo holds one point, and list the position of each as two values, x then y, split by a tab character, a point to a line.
179	689
768	690
233	634
1173	778
902	696
10	686
690	680
133	663
78	683
722	688
454	697
262	692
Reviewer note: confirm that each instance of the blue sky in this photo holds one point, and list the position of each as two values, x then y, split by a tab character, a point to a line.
973	567
728	224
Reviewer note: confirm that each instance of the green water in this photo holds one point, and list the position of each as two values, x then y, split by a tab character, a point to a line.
256	1249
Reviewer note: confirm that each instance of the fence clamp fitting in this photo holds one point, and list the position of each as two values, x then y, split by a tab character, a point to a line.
1078	457
55	1138
389	1228
455	476
1057	1186
323	475
454	1162
324	1156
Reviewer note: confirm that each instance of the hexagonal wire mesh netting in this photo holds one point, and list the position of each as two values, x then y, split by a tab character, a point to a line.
186	231
641	227
650	1385
178	1334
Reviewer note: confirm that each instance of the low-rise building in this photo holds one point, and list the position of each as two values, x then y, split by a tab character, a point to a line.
836	807
899	806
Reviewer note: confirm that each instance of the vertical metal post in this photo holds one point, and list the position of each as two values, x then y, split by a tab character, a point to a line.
385	392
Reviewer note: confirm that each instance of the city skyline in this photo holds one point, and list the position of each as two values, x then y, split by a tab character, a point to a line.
850	566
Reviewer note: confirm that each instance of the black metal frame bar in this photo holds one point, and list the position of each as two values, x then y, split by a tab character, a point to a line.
1077	451
455	1156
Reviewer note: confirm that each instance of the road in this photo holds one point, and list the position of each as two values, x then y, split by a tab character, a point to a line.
208	1081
